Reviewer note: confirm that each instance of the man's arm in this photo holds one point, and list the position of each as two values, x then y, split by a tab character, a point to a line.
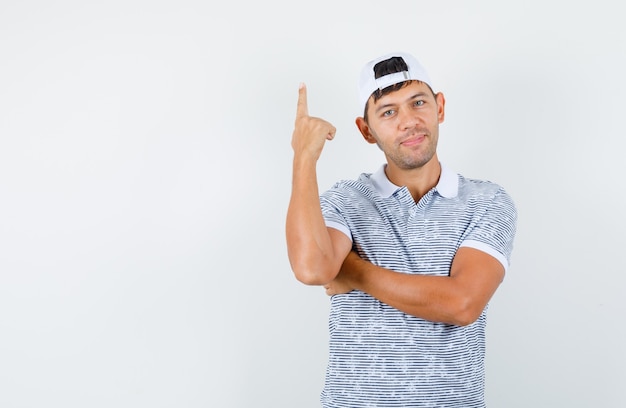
315	251
457	299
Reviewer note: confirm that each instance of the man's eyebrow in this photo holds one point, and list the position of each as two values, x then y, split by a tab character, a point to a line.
415	96
418	95
384	107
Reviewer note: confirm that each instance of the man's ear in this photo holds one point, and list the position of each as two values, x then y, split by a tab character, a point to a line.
441	104
365	130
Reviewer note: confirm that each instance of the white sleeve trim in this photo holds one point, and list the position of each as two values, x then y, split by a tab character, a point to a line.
340	227
481	246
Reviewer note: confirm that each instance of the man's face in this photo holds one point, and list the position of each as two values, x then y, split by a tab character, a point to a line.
405	125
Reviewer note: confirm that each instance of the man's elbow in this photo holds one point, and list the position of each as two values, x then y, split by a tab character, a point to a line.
466	312
464	320
309	279
312	276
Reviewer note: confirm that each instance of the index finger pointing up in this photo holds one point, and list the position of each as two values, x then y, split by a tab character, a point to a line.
303	109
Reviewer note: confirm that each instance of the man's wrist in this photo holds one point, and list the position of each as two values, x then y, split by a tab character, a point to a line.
357	272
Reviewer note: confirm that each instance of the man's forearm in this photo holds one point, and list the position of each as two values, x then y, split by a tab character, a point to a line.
458	299
309	244
428	297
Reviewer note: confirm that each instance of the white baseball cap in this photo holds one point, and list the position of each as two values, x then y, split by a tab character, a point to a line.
368	83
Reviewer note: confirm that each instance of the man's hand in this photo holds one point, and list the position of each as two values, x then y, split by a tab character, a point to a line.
310	133
342	283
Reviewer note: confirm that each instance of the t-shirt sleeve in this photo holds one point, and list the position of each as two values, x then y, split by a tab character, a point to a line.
494	230
332	210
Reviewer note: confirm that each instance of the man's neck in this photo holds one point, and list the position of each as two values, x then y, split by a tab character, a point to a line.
418	181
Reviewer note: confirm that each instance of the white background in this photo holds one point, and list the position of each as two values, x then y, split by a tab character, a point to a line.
145	172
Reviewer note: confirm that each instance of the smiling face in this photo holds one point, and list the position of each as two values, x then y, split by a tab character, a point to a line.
405	125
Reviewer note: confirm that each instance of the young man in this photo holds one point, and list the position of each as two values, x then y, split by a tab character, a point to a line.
410	254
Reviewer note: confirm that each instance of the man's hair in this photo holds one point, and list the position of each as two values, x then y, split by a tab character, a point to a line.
390	66
387	67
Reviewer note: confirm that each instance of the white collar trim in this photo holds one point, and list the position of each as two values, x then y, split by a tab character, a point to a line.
448	185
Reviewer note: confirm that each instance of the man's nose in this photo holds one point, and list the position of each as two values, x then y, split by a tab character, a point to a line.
407	118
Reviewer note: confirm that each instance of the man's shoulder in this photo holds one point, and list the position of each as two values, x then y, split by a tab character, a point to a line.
478	185
485	193
362	183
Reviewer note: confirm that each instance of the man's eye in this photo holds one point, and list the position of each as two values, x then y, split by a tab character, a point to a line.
419	103
388	113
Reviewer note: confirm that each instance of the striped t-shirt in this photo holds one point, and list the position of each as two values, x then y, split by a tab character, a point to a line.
380	356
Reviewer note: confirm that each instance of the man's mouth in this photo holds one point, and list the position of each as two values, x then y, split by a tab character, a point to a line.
413	140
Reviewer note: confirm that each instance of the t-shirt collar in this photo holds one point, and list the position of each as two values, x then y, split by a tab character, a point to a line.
448	185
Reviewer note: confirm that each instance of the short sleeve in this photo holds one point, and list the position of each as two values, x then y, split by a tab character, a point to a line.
494	230
332	203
